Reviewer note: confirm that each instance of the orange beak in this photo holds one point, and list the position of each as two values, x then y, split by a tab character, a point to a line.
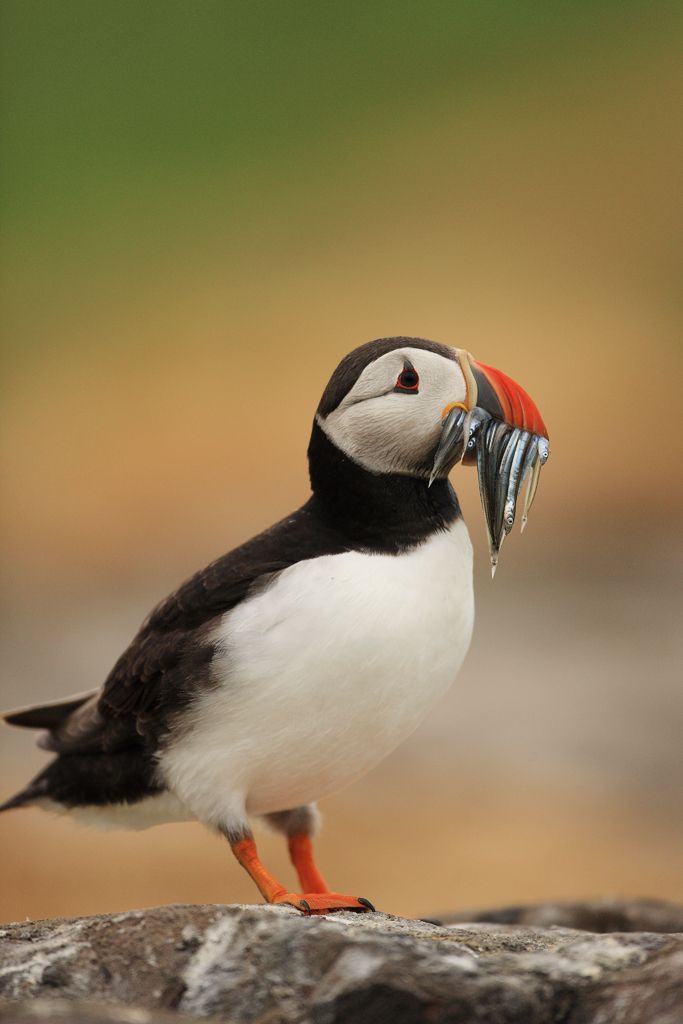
499	429
500	395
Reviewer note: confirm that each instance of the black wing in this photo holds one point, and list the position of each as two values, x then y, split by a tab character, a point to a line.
169	659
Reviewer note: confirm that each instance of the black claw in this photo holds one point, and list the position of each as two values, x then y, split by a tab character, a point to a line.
366	903
306	905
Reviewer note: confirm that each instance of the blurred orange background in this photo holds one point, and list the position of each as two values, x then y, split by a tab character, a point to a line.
205	207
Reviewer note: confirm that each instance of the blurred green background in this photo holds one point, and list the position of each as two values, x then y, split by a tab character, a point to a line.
205	205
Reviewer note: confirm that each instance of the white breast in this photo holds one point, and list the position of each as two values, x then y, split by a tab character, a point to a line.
322	674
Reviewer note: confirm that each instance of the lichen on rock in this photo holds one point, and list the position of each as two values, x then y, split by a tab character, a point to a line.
250	964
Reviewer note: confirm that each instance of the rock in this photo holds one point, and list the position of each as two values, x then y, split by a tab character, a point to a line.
605	915
252	965
58	1011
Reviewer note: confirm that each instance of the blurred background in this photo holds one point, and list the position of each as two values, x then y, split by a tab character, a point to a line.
205	205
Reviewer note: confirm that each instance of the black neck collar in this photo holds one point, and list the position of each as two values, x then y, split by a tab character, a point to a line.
385	512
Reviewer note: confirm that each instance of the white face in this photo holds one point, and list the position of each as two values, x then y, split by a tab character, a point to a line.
388	429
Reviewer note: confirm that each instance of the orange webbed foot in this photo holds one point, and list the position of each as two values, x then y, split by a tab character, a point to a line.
323	902
319	901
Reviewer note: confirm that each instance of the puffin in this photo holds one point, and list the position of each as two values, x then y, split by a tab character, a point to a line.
289	667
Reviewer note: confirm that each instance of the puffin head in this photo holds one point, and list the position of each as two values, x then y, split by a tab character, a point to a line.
415	407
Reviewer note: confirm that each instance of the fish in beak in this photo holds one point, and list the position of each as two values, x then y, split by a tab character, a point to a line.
500	430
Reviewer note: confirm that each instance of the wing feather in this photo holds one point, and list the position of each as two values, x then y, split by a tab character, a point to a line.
171	655
169	659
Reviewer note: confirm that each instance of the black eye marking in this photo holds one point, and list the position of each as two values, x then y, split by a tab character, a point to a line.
408	381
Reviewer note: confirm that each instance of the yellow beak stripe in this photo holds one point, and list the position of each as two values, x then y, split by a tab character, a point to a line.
452	405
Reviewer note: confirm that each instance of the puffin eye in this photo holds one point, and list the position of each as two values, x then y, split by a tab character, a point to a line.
408	380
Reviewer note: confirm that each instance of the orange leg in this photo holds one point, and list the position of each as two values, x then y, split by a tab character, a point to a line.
301	854
319	901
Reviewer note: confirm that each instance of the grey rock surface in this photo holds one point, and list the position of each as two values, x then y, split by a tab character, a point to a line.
603	915
81	1011
269	965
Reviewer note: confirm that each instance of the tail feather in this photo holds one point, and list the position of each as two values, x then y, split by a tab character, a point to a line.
36	789
45	716
18	800
98	763
91	779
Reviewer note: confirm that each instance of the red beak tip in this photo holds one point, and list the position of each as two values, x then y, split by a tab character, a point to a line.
518	407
